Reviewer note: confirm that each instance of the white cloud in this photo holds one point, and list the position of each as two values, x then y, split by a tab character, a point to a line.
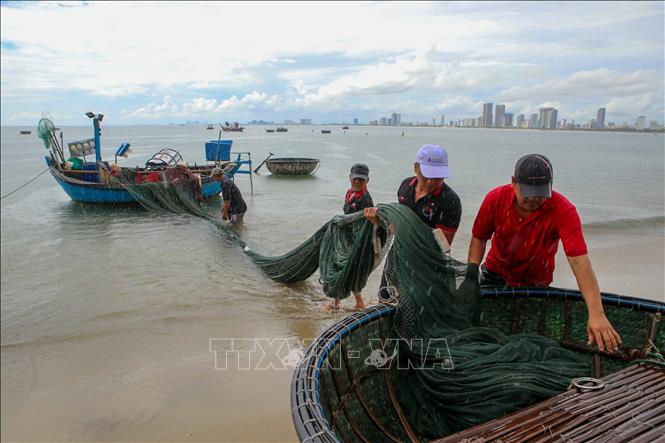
578	95
328	56
200	104
156	110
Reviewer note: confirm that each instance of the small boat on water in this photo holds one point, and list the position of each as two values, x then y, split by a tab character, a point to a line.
232	128
100	182
281	129
345	127
26	132
337	396
210	127
292	166
325	131
270	130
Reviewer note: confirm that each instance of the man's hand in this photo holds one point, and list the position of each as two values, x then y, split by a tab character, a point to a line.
370	214
599	328
225	215
601	332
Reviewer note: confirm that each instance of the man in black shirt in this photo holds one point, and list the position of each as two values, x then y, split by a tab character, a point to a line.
435	203
357	199
234	207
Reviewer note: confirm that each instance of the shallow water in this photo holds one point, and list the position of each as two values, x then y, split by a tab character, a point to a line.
107	312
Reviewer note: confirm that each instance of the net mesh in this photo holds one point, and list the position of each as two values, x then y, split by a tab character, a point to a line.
459	374
45	131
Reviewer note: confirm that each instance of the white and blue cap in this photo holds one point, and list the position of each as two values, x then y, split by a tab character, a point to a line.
433	161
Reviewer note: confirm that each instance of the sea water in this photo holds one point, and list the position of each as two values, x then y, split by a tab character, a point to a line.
108	312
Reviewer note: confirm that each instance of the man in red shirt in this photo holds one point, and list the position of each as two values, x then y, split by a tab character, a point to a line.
525	221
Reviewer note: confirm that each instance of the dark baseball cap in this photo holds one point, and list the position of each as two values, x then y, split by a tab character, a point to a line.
360	170
534	174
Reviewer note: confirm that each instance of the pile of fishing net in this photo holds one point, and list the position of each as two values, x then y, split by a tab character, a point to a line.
475	373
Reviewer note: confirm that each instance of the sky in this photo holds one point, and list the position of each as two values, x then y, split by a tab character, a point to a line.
172	62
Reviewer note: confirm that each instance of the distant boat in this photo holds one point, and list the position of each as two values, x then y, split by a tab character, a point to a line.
325	131
345	127
281	129
232	128
26	132
210	127
270	130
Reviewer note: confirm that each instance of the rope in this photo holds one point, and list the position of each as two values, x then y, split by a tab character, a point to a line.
25	184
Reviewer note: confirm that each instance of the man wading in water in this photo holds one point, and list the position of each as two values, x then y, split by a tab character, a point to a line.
234	206
357	199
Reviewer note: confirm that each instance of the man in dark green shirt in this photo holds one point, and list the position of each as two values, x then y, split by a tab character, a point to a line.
234	206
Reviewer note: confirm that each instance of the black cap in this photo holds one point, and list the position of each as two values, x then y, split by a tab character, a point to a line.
360	170
534	174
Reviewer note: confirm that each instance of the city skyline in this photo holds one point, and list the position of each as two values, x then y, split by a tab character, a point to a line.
293	61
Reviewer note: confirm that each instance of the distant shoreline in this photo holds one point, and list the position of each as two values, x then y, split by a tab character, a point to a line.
351	126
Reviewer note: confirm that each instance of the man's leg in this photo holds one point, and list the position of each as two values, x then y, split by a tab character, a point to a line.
237	218
333	306
360	303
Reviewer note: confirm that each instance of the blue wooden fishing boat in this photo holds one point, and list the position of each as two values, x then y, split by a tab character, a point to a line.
100	182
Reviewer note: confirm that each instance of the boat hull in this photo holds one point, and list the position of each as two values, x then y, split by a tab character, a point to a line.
90	192
292	166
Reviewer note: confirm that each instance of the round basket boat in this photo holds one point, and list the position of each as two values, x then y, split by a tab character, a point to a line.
292	166
337	397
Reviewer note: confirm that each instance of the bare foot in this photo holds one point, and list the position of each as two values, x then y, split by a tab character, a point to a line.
333	306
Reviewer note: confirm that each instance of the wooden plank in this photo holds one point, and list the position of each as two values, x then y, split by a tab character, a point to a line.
631	407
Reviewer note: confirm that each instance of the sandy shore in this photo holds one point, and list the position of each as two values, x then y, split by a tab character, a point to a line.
160	384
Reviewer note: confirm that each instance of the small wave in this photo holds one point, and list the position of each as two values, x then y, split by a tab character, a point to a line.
627	223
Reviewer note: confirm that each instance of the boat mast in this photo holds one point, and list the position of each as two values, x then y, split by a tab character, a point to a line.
96	120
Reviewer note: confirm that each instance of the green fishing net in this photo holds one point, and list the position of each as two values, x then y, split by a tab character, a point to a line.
459	374
45	131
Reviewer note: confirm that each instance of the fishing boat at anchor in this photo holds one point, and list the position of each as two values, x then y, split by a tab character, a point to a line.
232	128
341	393
98	181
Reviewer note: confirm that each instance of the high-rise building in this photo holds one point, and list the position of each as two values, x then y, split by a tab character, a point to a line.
383	121
548	118
305	121
520	121
393	118
355	121
533	121
600	118
443	120
499	116
508	120
641	123
487	115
